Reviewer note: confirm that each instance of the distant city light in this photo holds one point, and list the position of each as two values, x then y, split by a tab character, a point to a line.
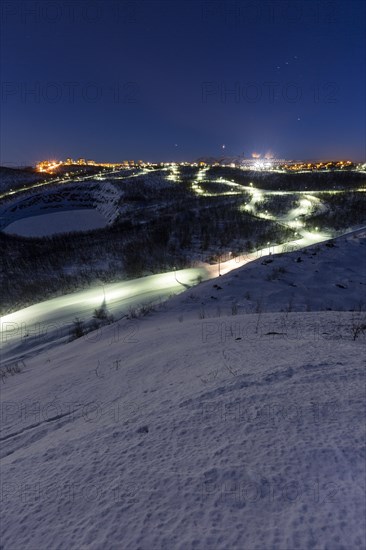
255	163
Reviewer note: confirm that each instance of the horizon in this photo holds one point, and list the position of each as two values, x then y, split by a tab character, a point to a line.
138	160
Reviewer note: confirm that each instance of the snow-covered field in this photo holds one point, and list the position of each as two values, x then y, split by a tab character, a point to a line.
218	421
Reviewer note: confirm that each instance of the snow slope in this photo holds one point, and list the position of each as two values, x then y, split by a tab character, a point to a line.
13	178
327	276
178	431
325	279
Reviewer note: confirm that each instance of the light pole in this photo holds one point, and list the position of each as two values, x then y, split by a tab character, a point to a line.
175	273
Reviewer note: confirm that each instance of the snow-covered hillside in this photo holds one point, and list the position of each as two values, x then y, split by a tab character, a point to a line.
13	178
199	427
330	275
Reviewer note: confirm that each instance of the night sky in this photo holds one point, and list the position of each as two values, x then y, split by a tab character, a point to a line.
177	80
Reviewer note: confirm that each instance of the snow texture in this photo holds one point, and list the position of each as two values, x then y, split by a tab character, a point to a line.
197	428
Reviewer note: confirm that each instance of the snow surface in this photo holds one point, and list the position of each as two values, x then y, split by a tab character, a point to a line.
68	208
45	225
194	428
330	275
327	276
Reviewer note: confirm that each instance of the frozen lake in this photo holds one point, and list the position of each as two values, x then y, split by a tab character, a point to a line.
44	225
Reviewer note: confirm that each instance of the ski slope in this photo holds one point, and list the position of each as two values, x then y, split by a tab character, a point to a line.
41	325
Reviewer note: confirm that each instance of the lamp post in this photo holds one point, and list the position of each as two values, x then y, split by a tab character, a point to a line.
175	273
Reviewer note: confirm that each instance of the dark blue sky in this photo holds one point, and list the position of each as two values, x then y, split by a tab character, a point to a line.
174	80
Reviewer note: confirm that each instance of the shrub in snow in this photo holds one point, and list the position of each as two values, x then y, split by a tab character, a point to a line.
102	313
77	329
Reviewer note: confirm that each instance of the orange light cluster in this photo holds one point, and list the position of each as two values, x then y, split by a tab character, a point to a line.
318	165
48	166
